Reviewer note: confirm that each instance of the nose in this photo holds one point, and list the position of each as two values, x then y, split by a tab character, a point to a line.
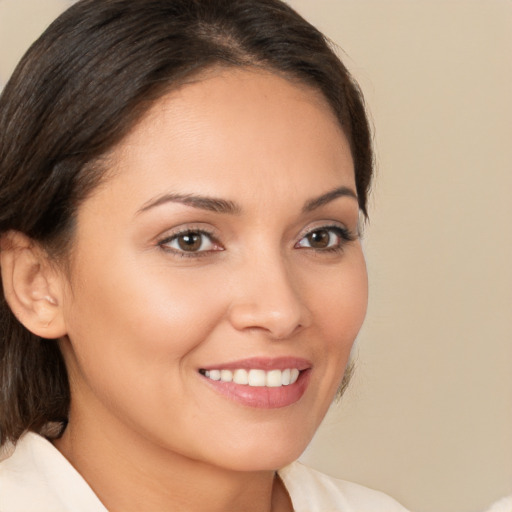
268	298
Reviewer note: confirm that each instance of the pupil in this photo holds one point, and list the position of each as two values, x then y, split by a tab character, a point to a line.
319	239
190	241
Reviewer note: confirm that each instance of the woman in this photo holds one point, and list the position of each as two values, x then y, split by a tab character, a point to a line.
181	185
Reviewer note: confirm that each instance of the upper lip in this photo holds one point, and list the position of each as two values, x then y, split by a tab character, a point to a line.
262	363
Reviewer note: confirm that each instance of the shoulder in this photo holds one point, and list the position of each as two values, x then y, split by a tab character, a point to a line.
312	491
504	505
34	476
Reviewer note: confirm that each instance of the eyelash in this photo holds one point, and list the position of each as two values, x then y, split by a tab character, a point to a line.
164	243
344	235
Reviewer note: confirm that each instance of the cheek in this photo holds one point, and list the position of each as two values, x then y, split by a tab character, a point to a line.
144	310
133	332
340	305
339	309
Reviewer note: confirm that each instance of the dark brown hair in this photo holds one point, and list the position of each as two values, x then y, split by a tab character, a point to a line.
78	91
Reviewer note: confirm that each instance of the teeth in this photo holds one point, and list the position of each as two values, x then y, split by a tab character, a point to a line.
214	374
255	378
274	379
241	377
226	375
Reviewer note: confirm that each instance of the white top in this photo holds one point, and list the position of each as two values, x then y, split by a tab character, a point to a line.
504	505
36	477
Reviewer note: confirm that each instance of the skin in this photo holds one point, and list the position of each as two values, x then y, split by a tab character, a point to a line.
141	316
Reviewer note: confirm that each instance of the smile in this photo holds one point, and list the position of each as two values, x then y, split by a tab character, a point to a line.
254	377
260	382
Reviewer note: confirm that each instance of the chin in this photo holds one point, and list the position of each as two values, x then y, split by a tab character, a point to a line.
269	453
262	461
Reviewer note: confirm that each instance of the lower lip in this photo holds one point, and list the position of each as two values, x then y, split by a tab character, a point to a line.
262	397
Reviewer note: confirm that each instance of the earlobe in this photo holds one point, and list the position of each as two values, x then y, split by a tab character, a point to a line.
32	286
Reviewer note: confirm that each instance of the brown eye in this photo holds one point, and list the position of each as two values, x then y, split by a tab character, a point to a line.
190	242
319	239
325	239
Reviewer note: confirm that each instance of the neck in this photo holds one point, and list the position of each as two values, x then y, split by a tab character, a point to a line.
130	473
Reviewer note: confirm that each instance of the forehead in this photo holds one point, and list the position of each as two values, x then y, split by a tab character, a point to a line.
231	129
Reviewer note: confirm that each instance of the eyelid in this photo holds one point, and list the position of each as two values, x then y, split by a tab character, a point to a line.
334	225
345	236
171	235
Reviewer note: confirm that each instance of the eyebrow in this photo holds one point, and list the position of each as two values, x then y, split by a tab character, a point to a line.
322	200
211	204
225	206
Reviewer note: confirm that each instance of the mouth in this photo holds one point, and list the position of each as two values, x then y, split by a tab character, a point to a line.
260	383
254	377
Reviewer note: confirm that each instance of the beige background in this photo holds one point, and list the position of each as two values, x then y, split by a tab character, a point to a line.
428	418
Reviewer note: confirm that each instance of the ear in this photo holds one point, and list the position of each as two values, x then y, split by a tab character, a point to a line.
33	287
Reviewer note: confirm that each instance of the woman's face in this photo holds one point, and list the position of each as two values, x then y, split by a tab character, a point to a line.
222	245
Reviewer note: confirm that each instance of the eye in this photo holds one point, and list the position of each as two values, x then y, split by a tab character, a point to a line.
190	241
325	238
